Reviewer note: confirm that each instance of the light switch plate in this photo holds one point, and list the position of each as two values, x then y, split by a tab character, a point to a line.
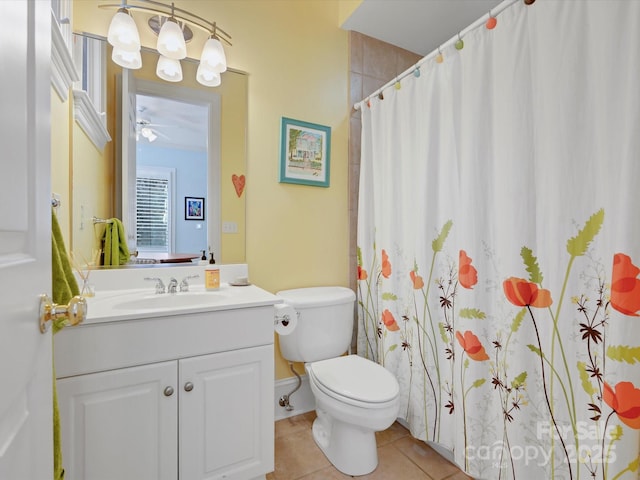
229	227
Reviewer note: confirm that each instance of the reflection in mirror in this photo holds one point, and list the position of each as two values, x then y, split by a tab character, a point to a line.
171	165
180	164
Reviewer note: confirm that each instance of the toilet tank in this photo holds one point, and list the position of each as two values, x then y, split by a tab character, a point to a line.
325	323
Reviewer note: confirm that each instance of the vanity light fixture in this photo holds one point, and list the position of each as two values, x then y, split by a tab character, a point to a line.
171	42
172	25
131	60
123	33
169	69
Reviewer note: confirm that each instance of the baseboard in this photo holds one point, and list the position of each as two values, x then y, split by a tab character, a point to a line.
302	400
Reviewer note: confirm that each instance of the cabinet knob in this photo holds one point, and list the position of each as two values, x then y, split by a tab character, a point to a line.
168	391
188	387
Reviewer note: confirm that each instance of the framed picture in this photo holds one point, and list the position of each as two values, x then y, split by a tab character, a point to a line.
304	153
193	208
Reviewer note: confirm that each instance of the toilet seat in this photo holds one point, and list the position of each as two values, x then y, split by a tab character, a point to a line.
355	380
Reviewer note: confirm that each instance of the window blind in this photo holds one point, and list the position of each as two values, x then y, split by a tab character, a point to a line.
152	213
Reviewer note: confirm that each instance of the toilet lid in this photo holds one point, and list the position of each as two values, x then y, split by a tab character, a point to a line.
357	378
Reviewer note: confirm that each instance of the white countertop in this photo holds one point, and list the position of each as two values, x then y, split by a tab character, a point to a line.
125	294
117	305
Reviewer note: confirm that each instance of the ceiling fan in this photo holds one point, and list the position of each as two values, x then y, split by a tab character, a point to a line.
148	130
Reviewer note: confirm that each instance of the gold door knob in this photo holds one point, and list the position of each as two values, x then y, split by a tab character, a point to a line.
75	312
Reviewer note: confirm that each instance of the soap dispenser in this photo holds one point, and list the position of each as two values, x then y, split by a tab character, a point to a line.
203	259
212	275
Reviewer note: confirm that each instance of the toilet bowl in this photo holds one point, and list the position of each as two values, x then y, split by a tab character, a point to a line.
355	397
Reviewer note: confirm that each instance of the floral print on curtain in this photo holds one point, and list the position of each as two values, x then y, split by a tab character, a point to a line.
428	339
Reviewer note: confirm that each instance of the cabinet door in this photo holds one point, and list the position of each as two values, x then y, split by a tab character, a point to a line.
120	424
226	418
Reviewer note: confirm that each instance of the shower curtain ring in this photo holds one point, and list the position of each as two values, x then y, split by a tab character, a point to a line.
491	22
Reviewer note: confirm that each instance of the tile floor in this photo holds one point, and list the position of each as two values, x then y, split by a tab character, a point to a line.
400	456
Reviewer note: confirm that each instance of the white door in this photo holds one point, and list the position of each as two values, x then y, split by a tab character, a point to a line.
26	438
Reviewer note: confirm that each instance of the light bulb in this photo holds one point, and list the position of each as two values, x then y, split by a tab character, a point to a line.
171	42
213	56
207	77
131	60
123	32
169	69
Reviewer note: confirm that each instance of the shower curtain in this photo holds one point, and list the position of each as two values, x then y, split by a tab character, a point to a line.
499	243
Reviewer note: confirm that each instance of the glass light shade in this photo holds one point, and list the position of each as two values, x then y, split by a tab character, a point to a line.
171	42
131	60
213	56
148	134
123	32
169	69
207	77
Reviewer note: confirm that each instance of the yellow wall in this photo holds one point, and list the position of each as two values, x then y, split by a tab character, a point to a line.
61	160
297	59
92	184
346	8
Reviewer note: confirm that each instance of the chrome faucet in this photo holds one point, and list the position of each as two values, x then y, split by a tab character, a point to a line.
173	286
159	284
184	285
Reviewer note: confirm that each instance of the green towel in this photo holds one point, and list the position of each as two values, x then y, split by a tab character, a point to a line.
116	251
64	286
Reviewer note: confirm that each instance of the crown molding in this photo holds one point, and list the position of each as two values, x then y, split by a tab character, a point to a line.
89	119
63	70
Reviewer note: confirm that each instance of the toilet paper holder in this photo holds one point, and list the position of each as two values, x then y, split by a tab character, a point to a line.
283	319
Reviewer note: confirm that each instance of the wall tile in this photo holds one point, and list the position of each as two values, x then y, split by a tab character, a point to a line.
355	90
356	60
373	63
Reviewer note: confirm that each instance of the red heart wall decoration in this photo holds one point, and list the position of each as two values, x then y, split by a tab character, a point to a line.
238	183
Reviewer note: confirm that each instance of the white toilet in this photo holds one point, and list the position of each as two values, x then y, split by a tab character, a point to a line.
355	397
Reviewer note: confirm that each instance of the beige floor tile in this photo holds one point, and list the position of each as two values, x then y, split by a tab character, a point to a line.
329	473
426	458
459	476
392	465
391	434
400	456
288	426
297	455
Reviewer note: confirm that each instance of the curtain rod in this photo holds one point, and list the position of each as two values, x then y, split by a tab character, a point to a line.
494	12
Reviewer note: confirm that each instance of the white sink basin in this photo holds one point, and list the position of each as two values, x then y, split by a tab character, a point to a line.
170	301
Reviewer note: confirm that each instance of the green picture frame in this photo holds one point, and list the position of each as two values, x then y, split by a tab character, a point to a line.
305	153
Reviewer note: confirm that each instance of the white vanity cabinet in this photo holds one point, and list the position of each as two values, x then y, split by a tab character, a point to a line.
186	397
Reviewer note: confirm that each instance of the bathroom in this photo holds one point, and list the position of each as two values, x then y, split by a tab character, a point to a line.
311	231
319	218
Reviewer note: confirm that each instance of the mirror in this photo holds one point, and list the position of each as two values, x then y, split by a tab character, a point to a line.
204	171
